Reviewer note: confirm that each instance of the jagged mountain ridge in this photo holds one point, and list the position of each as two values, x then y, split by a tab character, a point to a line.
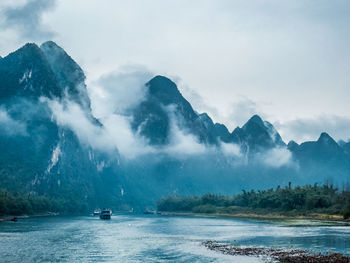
152	119
17	69
165	104
53	160
48	158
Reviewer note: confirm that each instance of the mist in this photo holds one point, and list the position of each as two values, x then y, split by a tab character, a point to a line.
10	126
113	98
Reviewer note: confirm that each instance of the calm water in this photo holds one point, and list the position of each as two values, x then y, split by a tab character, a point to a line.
129	238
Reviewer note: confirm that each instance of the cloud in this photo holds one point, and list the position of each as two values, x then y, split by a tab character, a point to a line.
114	136
112	96
10	126
26	19
120	134
119	91
198	103
116	133
70	114
276	157
231	149
306	129
242	110
182	143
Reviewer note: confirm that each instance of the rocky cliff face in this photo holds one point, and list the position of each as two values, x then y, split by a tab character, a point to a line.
163	107
41	155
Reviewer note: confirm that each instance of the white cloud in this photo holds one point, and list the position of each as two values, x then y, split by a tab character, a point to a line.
276	157
121	135
181	143
118	91
281	53
242	110
230	149
26	17
307	129
71	115
10	126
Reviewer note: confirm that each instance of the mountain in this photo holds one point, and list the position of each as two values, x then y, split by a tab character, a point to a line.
222	132
323	158
69	76
257	135
292	146
43	156
26	72
346	147
163	107
324	149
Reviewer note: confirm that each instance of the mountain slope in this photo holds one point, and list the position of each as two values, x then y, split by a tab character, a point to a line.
26	72
69	75
163	107
46	158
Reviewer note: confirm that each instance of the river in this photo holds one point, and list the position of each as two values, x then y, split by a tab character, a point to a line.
155	238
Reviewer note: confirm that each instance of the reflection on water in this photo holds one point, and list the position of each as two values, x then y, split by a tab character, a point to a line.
129	238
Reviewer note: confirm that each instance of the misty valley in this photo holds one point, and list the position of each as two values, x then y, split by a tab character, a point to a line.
179	186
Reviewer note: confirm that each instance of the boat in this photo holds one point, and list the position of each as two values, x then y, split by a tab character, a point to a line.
149	212
97	212
106	213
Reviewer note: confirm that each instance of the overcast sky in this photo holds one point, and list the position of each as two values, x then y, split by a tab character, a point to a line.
288	61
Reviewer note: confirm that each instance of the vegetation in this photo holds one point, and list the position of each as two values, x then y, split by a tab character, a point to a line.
20	203
300	200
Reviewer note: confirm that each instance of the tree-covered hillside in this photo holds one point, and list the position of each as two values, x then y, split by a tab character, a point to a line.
300	200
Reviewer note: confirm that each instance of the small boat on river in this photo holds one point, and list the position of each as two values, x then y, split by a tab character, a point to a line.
97	212
106	213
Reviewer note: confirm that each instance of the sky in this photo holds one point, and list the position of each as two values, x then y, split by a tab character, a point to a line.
288	61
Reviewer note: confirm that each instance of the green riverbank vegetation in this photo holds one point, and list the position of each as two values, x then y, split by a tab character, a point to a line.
15	203
290	201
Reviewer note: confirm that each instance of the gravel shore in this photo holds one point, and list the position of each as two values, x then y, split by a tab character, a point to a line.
277	255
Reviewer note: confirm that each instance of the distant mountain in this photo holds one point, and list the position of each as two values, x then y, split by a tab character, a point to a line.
257	135
323	158
346	147
325	149
69	76
41	156
163	107
26	72
47	158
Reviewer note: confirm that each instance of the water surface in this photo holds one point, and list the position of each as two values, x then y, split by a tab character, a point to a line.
132	238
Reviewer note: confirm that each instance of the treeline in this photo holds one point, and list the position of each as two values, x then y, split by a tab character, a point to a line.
24	203
300	200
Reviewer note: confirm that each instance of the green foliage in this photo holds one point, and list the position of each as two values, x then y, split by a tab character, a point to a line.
297	200
207	209
20	203
346	211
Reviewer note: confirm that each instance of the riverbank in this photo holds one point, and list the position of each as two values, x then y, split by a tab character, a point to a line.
279	255
323	219
11	217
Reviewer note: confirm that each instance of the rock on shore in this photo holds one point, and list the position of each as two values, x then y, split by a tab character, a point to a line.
277	255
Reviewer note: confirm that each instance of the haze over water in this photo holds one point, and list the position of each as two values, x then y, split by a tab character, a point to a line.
131	238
